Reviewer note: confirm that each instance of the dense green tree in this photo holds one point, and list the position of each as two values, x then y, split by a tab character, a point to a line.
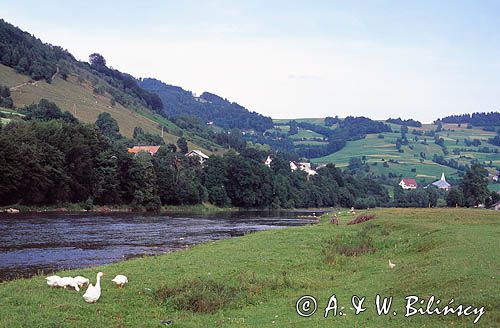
143	175
455	197
214	180
97	60
182	144
108	126
46	111
250	182
355	163
107	186
179	178
474	185
142	138
293	128
329	121
280	165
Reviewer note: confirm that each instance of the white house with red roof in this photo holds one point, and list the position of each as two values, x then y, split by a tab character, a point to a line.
408	183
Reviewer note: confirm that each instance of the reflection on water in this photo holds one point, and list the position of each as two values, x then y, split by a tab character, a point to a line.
47	242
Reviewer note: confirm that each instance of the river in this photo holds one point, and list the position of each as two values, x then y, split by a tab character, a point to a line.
39	243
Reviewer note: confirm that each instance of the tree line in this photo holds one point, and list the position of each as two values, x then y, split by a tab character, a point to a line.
52	158
408	122
477	119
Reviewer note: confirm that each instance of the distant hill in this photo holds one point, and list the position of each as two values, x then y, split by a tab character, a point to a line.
424	153
208	107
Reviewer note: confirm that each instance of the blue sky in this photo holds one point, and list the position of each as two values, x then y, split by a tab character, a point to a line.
420	59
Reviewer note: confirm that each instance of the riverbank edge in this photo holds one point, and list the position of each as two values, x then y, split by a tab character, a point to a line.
81	208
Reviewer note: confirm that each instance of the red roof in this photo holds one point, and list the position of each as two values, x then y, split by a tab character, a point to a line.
150	149
410	182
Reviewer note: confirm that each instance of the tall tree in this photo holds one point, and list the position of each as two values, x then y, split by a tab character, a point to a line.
108	126
182	144
97	60
474	185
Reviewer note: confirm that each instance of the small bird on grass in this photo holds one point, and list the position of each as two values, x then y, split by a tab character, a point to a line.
120	280
391	265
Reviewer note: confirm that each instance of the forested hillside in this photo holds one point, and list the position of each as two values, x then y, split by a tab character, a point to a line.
31	70
208	107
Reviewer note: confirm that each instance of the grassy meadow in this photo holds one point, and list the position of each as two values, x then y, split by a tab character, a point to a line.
256	279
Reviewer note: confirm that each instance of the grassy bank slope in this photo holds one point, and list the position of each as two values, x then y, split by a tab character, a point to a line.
255	280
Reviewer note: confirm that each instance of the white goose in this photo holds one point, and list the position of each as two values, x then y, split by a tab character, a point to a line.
120	280
53	281
68	282
81	281
391	265
93	292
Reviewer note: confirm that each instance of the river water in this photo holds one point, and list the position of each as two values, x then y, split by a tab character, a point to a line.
47	242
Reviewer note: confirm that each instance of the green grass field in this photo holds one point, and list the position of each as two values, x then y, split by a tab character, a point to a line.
377	151
256	280
317	120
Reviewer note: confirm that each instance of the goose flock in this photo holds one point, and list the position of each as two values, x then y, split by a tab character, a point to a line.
93	292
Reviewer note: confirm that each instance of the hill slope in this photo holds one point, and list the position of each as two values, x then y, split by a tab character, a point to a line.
34	70
415	159
208	107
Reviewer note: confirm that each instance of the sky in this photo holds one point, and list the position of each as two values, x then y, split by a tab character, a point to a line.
292	59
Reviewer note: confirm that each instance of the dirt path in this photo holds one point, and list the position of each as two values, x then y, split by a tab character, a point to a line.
35	83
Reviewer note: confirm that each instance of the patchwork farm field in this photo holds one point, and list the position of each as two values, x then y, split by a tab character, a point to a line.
256	280
383	157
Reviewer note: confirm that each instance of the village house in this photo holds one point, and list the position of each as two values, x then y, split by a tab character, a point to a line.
408	183
294	166
268	161
442	183
202	157
302	166
149	149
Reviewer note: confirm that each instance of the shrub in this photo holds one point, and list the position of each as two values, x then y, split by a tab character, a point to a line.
201	296
347	245
361	219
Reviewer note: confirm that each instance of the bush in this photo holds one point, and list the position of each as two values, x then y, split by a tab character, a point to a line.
347	245
200	296
361	219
